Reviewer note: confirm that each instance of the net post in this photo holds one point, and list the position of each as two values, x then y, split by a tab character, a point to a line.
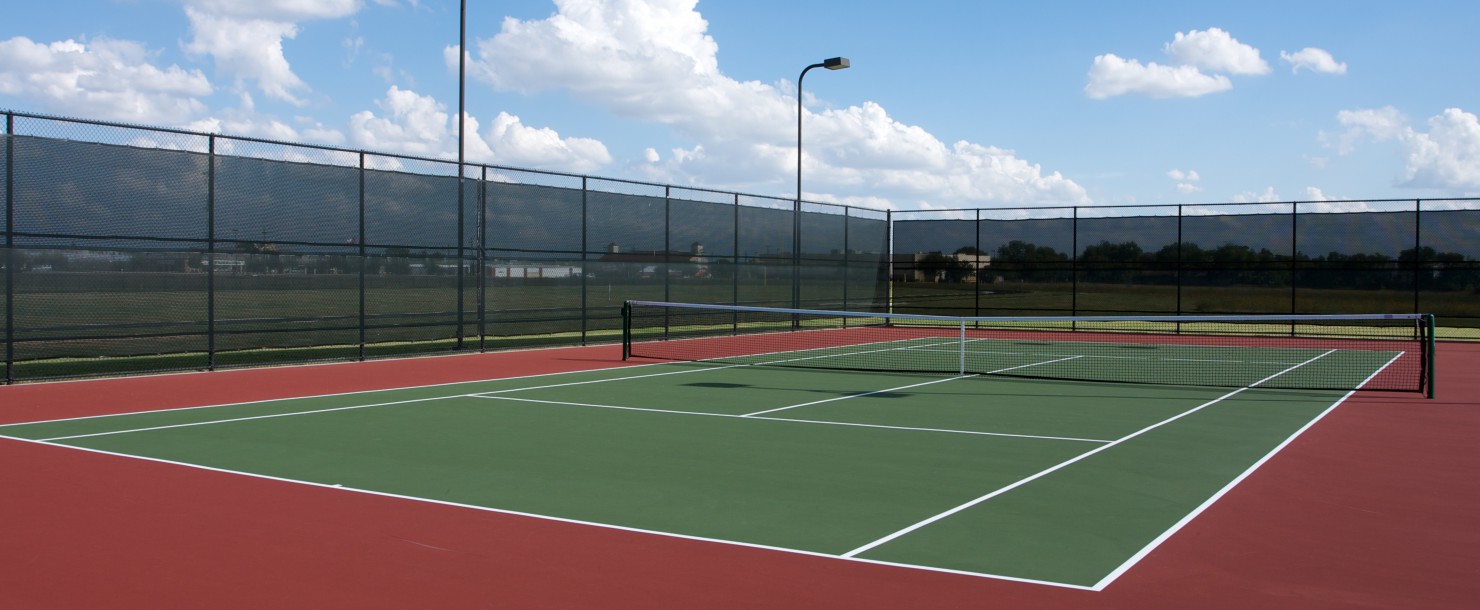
961	370
626	329
1428	343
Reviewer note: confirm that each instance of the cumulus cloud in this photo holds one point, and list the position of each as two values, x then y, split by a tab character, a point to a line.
1313	59
1185	181
1315	194
1268	196
413	124
104	79
514	143
1217	51
1381	124
1111	76
655	62
1446	157
419	125
246	38
1199	60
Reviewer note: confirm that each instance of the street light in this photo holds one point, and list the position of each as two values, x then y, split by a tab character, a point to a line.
836	63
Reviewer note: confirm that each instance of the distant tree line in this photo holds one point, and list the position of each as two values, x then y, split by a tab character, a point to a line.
1229	264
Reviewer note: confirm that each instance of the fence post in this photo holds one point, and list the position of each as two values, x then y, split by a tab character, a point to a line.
9	248
364	258
211	252
976	268
1294	254
889	261
483	259
1178	273
667	256
1417	250
462	257
1074	266
735	268
585	236
847	268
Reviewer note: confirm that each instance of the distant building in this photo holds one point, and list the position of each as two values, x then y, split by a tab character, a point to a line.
646	263
909	267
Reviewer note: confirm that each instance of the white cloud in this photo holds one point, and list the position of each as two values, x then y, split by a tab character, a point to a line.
1379	124
102	79
655	62
1447	157
278	10
1217	51
1110	76
1179	175
1313	59
246	38
414	124
1268	196
1199	62
1315	194
419	125
517	144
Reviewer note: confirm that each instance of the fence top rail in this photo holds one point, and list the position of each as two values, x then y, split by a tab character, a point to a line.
968	319
1179	206
327	148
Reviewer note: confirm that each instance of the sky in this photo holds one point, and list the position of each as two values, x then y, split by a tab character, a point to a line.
948	104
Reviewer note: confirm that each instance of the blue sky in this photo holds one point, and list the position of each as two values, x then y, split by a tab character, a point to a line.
948	104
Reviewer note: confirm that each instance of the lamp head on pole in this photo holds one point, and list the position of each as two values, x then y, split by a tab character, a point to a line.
836	63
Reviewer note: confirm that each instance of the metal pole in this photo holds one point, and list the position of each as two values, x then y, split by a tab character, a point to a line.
976	267
585	236
847	267
1178	272
836	63
1074	266
796	212
1417	249
462	54
1294	253
483	260
9	248
889	261
364	259
211	252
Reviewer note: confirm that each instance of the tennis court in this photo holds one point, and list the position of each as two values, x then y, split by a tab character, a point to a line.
1055	480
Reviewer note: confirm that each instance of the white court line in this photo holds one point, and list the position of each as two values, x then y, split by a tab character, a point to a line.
330	395
1134	559
785	419
1066	463
353	407
1104	357
818	402
859	395
610	526
240	419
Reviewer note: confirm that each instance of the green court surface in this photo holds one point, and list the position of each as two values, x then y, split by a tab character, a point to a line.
1058	482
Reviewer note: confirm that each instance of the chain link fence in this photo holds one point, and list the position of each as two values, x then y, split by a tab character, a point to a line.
1408	256
131	249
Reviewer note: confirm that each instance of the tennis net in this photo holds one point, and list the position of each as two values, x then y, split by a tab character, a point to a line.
1324	352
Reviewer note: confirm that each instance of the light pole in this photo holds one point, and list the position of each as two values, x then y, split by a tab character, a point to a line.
462	95
836	63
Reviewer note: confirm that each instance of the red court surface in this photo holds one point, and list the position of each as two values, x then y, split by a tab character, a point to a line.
1373	507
